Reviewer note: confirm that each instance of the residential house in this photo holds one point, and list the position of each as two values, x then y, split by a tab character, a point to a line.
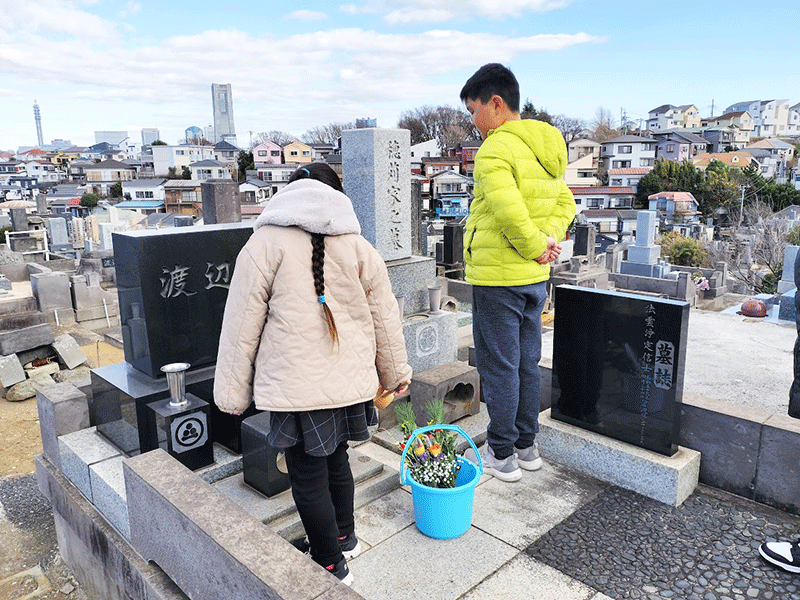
277	176
210	169
725	139
423	149
771	118
667	117
777	148
582	172
334	161
298	153
605	220
9	168
465	152
770	165
431	165
794	120
629	177
178	157
226	153
451	194
602	197
320	151
43	171
738	159
144	189
76	172
143	207
254	191
628	151
674	208
580	147
101	176
740	118
267	153
183	197
679	144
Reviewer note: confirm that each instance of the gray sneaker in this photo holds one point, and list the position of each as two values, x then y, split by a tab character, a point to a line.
528	458
505	469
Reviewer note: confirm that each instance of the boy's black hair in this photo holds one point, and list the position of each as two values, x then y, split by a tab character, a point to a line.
320	172
489	80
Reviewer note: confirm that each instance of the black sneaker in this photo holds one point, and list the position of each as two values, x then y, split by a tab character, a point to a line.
349	545
341	571
784	555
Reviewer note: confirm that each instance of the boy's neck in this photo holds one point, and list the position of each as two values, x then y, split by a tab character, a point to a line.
509	115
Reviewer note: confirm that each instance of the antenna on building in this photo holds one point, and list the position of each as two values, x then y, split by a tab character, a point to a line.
38	118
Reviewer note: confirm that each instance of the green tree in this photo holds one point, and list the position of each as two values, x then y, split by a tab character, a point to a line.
158	143
90	200
529	112
172	172
683	251
244	163
793	237
115	191
648	185
186	172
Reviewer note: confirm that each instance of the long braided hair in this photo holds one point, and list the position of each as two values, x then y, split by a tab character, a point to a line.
323	173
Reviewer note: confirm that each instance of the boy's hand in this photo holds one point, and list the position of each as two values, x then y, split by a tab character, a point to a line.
552	252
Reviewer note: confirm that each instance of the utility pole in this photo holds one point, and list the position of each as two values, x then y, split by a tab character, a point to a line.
741	207
712	107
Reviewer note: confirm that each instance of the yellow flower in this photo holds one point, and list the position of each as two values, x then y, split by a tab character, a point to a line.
435	449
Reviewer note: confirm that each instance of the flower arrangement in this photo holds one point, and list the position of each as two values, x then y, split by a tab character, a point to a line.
431	457
700	281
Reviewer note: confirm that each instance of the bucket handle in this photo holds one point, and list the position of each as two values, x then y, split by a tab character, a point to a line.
421	430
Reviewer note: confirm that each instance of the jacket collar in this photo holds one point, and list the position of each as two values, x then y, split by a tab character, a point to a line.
312	206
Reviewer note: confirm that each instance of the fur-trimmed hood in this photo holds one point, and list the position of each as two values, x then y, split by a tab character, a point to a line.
312	206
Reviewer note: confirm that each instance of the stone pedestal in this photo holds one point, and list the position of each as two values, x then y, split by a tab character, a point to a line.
410	278
456	383
431	339
667	479
259	459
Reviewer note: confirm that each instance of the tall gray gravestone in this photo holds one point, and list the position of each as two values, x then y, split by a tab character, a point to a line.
643	255
376	165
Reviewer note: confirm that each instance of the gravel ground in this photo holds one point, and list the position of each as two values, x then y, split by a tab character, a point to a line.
629	546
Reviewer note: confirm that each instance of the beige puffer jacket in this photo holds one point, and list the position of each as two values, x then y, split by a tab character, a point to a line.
275	347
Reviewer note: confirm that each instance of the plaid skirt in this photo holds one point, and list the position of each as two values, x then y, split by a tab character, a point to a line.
321	431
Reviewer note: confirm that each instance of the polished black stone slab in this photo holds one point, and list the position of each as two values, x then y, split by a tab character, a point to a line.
618	365
172	286
183	431
259	459
119	399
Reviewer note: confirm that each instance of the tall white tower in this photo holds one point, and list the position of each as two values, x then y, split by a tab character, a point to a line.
223	113
38	117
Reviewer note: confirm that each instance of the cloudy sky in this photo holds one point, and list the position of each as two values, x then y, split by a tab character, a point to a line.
127	64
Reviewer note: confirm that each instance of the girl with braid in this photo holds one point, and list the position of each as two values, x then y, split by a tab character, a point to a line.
311	331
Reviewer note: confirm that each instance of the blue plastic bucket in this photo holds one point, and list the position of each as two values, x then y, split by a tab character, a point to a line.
444	513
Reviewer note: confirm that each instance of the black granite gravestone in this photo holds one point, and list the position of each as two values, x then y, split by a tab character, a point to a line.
172	287
453	243
618	364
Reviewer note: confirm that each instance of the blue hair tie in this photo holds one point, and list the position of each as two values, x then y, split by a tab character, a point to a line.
321	299
309	174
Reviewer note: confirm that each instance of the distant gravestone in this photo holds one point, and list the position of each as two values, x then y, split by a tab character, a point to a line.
220	201
59	235
618	365
172	286
19	219
644	253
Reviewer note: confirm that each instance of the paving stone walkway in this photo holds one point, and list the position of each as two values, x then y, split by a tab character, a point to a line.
629	546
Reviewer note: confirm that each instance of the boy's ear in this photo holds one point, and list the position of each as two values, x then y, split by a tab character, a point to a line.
497	103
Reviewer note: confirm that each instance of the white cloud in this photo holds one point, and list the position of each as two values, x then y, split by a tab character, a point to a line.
130	9
407	12
307	15
55	16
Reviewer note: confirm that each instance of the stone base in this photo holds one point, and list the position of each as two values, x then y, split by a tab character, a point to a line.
456	383
787	311
628	267
667	479
410	278
431	339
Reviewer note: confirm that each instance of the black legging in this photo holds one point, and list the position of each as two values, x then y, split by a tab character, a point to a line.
323	489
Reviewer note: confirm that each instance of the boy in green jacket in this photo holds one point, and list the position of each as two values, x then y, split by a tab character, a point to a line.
521	209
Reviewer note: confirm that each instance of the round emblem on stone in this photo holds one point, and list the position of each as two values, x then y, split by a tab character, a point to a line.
754	308
189	431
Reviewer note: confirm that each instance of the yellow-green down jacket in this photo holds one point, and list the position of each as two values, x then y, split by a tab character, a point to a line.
520	199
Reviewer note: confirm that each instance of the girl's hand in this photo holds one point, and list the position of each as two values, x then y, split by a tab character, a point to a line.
401	388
